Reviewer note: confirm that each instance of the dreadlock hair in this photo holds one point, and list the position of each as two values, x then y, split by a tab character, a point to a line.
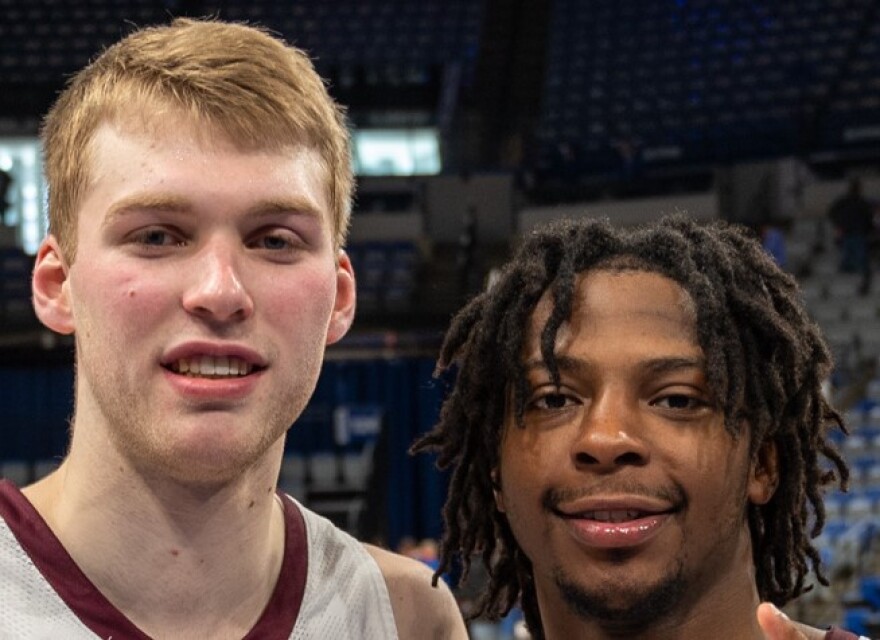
765	364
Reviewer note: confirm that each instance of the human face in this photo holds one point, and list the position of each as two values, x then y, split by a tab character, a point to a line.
623	487
203	293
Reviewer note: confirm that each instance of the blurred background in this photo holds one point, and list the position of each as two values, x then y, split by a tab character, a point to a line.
473	121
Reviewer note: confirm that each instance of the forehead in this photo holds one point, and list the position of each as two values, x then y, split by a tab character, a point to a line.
620	302
179	160
162	127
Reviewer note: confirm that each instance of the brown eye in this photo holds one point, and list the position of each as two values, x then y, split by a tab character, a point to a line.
679	401
552	401
556	401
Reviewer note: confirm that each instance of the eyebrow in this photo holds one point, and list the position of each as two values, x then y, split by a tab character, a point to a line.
140	203
656	366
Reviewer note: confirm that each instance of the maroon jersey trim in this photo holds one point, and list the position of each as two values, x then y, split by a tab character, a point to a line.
98	614
282	610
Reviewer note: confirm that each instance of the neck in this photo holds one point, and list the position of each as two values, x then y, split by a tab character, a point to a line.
207	557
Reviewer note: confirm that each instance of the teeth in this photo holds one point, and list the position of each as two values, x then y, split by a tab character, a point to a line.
212	367
612	516
206	366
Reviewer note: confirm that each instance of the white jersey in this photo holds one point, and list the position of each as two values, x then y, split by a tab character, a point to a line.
329	586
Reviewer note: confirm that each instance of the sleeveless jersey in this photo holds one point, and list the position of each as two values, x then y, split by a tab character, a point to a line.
329	586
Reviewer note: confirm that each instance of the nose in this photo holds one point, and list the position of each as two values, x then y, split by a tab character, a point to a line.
216	291
610	435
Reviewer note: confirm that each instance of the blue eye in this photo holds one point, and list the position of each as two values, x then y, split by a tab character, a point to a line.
275	242
275	239
157	238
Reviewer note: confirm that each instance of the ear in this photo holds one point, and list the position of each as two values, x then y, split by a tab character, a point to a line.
764	474
51	288
343	307
496	489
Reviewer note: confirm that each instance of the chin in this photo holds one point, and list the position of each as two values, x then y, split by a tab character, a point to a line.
632	606
202	465
202	475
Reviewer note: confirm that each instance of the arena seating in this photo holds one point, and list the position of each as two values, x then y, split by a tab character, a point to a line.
630	90
850	319
696	81
42	42
408	35
362	43
386	274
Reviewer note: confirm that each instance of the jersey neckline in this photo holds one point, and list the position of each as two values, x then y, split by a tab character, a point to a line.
98	614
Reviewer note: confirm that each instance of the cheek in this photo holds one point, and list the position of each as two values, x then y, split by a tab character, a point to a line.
537	454
303	300
714	474
118	301
524	477
526	468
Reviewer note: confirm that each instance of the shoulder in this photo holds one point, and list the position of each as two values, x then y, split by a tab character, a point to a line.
420	609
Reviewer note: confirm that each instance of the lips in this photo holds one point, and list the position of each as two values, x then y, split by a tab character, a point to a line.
623	515
599	534
211	366
613	516
615	522
212	361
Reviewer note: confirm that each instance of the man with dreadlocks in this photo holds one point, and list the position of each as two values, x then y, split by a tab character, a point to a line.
637	430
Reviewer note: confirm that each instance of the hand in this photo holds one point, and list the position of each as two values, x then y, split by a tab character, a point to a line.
777	626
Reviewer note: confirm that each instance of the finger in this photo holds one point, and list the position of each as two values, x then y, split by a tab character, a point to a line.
777	626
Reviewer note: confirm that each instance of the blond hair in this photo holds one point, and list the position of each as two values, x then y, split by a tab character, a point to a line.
234	79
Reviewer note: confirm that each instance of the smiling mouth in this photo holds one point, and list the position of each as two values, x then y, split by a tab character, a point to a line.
622	515
213	367
614	516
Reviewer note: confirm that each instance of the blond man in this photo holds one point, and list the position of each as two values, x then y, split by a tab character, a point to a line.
200	189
